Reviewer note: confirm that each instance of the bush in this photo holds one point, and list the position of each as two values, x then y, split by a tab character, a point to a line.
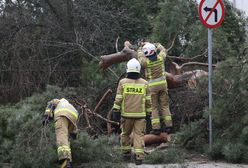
86	150
193	135
172	155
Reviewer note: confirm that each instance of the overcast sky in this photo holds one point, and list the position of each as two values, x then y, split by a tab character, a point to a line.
241	4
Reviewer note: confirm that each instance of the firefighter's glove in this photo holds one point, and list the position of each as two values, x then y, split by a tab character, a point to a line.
148	116
116	115
74	134
45	120
168	130
141	42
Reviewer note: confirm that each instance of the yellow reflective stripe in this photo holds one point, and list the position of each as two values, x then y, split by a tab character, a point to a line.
64	148
140	114
157	83
48	110
151	64
148	98
148	109
118	96
167	118
155	63
155	120
157	79
138	150
117	107
74	113
126	147
133	89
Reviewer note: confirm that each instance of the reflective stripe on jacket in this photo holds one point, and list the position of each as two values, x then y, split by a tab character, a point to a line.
133	98
62	108
154	70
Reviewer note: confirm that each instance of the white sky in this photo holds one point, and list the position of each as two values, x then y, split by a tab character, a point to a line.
240	4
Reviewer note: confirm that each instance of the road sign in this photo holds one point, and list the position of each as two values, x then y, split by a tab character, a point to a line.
211	13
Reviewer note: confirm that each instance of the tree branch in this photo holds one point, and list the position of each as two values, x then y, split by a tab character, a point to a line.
173	42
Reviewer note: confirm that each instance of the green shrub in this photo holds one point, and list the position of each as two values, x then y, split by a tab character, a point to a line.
172	155
216	152
192	136
87	151
233	152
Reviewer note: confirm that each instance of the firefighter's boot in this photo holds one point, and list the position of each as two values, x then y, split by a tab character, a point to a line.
65	163
126	156
69	165
137	161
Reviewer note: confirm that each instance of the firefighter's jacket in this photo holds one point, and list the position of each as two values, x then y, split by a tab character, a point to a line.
133	98
61	107
154	70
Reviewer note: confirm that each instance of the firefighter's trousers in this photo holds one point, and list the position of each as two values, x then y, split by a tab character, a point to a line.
160	101
137	127
63	127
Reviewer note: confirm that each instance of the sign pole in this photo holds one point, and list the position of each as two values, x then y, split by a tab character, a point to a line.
211	14
210	71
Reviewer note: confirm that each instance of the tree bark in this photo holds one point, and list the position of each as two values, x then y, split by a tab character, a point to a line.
173	81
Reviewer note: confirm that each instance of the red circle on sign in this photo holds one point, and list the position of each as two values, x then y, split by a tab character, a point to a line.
204	22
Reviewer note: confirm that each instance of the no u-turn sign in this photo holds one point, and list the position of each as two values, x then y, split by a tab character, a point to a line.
211	13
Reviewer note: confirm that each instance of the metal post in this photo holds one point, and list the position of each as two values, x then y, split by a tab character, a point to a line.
234	3
210	71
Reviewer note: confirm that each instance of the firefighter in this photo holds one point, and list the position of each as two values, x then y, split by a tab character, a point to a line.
131	105
152	57
65	117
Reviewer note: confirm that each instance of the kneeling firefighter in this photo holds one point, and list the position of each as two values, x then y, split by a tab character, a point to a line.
65	117
134	102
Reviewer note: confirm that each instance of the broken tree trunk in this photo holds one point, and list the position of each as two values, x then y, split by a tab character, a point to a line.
123	56
155	139
174	81
150	139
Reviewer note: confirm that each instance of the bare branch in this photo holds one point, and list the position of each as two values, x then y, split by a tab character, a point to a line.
53	10
194	63
106	94
187	59
116	44
173	42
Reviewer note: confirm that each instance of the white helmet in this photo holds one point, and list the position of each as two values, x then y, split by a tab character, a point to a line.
133	65
149	49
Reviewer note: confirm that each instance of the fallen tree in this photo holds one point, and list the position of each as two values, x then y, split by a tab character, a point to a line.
176	75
